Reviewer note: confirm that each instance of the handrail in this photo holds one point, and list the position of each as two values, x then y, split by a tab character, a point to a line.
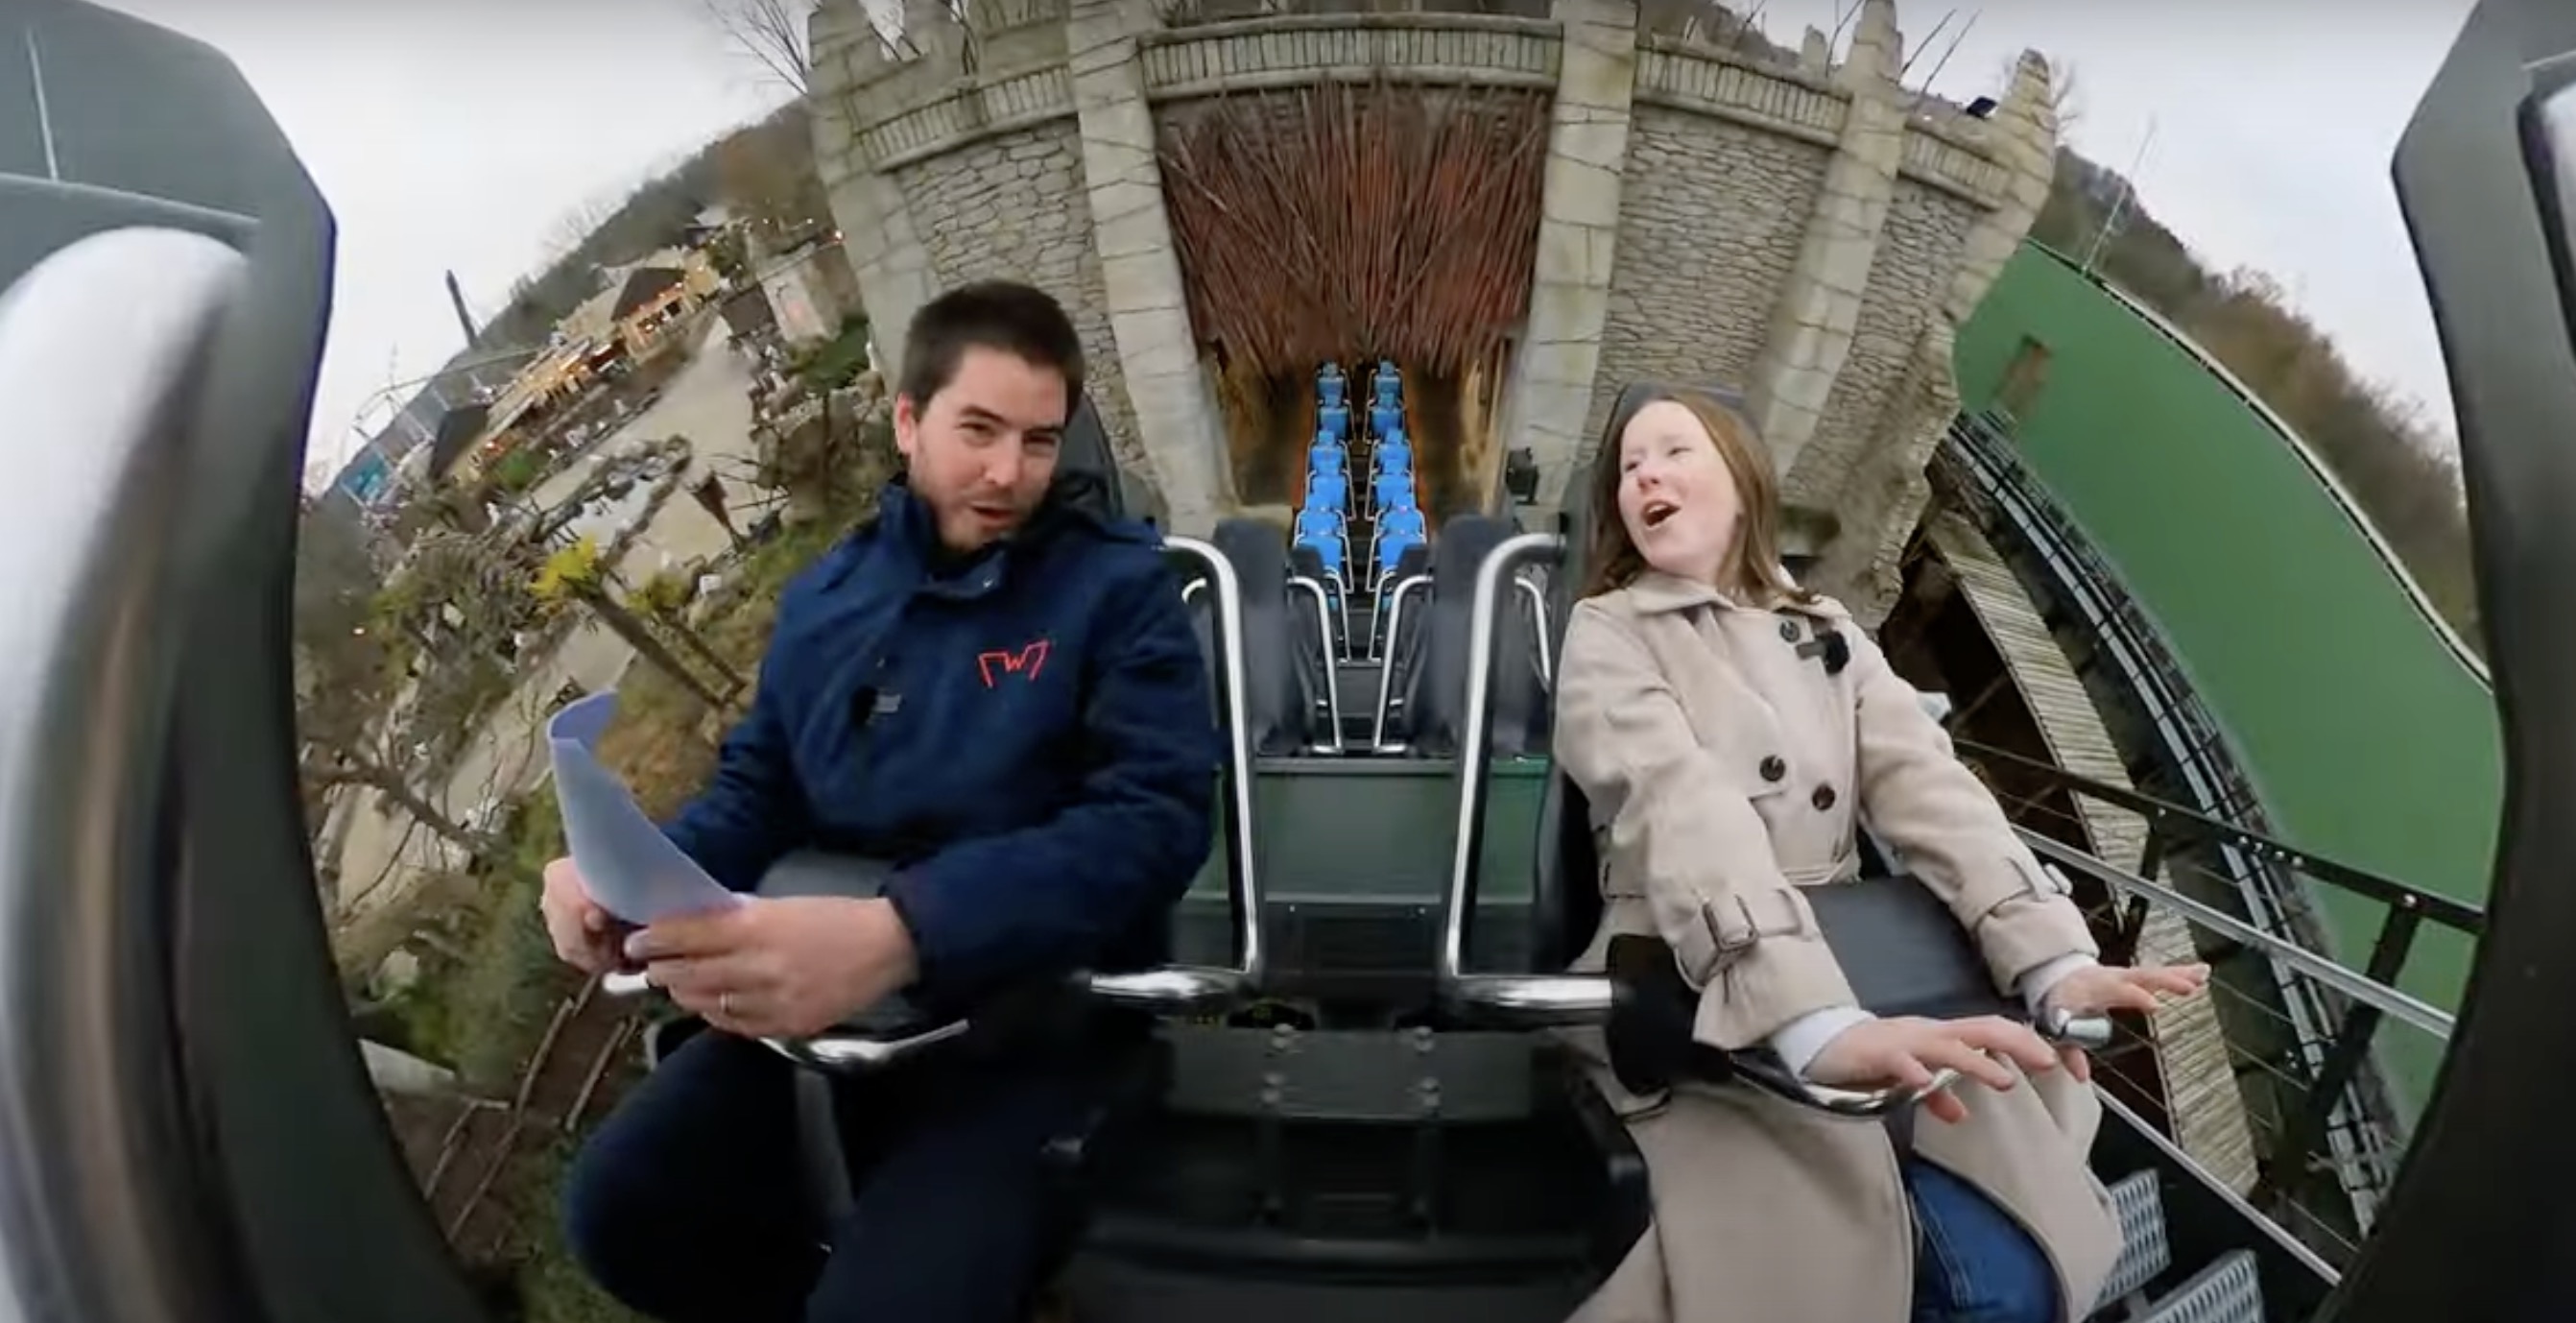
1251	958
1539	632
1386	660
1393	597
1332	658
2349	1104
1533	998
2441	909
2188	733
2367	991
2190	737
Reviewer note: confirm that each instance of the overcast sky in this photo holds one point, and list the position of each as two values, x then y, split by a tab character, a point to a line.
459	134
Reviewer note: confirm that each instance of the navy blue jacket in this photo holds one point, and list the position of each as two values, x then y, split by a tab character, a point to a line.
1027	735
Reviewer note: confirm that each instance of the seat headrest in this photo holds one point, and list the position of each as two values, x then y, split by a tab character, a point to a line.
1086	466
1575	521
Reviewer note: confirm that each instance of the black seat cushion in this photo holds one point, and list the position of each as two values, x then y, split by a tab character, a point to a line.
1436	697
1565	899
1275	702
1086	469
1523	710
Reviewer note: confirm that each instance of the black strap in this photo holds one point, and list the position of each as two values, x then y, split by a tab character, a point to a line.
1900	1129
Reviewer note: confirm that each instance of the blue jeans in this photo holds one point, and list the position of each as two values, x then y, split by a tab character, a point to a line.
690	1203
1972	1262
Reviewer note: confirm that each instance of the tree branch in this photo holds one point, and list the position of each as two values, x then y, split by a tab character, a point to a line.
772	32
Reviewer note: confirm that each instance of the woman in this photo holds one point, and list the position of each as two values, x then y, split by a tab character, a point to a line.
1728	762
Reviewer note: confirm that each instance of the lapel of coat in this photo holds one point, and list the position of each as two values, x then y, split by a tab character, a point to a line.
1678	620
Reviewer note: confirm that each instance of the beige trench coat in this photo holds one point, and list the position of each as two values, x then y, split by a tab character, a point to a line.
1724	772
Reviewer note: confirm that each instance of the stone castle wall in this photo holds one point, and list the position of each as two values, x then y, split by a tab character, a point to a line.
997	208
1917	252
1799	229
1711	215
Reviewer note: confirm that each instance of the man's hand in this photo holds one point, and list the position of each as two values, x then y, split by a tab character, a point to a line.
2098	989
1905	1053
585	935
786	968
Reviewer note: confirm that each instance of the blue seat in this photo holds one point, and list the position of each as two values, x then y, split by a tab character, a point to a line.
1403	521
1329	390
1394	438
1312	522
1333	421
1393	490
1391	548
1327	547
1327	441
1385	418
1394	459
1328	372
1388	390
1328	491
1324	460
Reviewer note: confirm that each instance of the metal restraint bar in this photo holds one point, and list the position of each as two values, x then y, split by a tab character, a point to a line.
1521	1000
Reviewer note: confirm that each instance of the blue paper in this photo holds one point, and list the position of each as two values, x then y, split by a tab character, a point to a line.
627	865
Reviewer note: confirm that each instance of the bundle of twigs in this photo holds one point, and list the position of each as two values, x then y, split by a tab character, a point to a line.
1358	219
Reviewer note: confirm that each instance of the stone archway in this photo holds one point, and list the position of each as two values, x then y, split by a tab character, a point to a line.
1357	220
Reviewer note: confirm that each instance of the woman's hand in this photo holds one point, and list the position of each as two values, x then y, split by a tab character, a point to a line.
1906	1052
2098	989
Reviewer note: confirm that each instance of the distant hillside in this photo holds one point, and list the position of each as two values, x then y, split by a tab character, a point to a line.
765	169
2399	471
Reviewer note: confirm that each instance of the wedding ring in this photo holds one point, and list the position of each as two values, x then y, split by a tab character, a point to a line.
724	1005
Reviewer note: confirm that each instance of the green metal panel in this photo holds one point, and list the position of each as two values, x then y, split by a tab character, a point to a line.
1382	829
2366	738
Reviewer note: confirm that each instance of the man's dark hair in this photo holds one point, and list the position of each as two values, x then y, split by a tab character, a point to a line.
1018	319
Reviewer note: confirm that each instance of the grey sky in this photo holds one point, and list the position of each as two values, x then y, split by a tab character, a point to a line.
460	134
2274	124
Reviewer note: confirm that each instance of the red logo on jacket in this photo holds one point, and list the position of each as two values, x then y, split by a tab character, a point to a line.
1028	661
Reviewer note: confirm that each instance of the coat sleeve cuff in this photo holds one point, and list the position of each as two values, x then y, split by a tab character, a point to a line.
1797	1042
2034	923
924	918
1756	991
2038	983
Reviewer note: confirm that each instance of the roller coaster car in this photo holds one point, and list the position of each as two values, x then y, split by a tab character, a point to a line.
1428	1151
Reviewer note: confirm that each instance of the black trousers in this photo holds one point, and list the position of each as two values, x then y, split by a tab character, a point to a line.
691	1202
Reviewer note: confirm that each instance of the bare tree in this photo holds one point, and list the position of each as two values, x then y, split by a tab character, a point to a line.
351	740
772	32
578	573
575	227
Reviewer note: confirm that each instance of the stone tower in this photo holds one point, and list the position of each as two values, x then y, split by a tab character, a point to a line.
1808	232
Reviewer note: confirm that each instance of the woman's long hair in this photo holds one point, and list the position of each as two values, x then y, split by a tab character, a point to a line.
1751	572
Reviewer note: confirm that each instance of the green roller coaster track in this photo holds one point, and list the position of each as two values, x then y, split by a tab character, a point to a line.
2367	733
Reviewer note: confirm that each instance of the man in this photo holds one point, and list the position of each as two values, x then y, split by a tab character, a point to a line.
999	692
